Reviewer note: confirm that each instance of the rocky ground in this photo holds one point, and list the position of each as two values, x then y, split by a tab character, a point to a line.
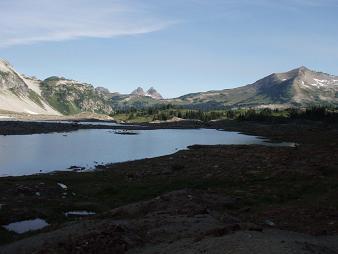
186	221
208	199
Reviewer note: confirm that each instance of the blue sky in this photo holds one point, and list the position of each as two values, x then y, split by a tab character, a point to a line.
177	46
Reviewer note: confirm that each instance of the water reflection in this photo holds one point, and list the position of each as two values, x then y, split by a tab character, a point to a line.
30	154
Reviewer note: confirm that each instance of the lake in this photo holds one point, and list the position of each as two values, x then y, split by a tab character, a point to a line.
30	154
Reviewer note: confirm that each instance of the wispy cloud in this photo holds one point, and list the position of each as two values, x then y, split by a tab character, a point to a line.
27	21
267	3
31	21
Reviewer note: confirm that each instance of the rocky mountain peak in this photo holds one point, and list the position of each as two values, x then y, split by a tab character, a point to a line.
5	66
298	73
154	94
138	92
303	68
10	80
151	92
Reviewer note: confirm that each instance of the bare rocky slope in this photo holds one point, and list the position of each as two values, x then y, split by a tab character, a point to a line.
19	93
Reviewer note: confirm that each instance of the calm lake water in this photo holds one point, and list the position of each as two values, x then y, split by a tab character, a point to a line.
30	154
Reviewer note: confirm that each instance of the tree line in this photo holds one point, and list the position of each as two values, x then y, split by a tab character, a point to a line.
166	112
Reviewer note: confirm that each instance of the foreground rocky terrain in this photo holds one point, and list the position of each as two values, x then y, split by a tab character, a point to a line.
186	221
208	199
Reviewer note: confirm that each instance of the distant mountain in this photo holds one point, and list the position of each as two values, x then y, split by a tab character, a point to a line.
300	87
137	99
150	93
154	94
138	92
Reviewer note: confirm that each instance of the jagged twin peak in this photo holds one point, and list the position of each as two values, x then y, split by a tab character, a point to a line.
150	93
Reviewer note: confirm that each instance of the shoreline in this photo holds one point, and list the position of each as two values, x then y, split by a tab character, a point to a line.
289	131
290	188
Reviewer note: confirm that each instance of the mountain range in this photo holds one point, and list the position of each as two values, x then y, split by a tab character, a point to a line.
300	87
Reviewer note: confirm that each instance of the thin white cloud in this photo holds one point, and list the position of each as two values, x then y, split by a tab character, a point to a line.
285	3
31	21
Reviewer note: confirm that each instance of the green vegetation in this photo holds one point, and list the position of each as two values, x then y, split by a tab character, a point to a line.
169	111
35	97
57	101
14	91
74	97
324	114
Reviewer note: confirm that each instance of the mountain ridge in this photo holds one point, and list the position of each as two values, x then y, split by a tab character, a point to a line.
300	87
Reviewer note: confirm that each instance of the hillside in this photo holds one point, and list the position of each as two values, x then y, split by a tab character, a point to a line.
72	97
298	87
19	93
62	96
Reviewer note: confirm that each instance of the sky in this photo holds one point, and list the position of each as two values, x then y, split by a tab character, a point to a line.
176	46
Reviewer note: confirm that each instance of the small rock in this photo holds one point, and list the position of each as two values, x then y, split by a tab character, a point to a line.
269	223
63	186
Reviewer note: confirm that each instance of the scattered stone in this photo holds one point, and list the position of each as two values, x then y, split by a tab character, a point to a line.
63	186
269	223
